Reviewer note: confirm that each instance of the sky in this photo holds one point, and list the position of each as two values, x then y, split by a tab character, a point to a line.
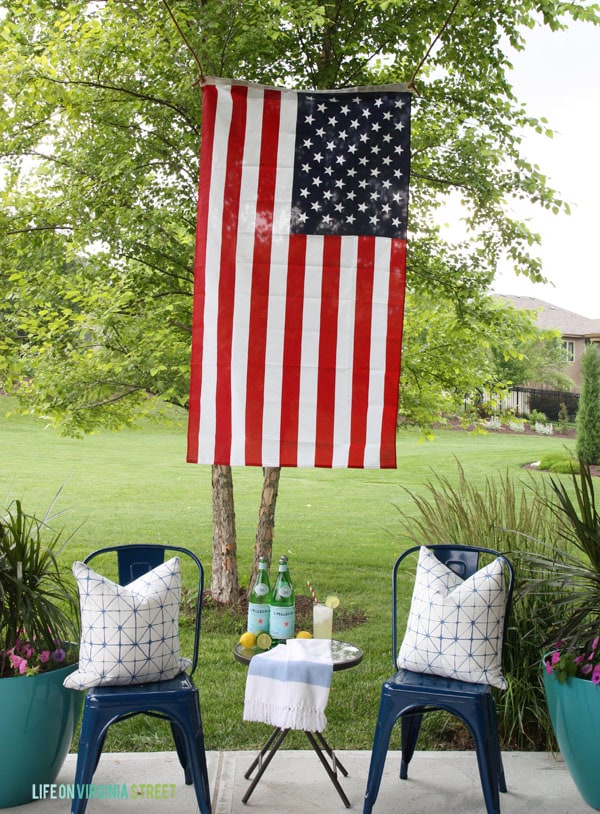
558	76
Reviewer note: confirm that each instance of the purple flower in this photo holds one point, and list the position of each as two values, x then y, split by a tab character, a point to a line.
59	654
586	669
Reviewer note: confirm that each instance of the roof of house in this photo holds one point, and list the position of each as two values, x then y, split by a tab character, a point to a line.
551	317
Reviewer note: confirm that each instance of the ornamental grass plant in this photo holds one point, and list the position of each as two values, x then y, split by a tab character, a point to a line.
570	570
38	602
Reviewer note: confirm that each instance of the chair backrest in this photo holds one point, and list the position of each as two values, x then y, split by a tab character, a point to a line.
138	558
464	560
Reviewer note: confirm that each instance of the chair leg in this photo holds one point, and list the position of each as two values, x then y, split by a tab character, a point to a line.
411	724
501	778
189	725
485	735
496	742
91	740
385	722
179	741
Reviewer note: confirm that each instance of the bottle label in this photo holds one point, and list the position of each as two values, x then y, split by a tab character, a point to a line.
260	589
285	591
258	618
282	622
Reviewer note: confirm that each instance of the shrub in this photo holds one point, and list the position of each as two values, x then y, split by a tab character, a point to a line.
559	462
588	415
517	425
563	416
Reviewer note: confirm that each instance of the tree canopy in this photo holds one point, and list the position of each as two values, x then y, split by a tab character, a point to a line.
99	141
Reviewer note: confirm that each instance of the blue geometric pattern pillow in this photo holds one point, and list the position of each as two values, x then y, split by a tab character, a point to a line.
129	633
455	626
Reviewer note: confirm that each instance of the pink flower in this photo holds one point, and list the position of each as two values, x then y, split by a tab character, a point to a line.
586	669
44	656
596	674
555	658
18	663
549	668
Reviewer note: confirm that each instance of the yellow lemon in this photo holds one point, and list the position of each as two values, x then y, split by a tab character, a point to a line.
303	634
332	602
248	639
264	641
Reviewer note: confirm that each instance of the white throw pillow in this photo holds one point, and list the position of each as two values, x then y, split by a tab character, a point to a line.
455	626
129	633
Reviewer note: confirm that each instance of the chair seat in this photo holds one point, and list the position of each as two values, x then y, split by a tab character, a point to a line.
180	683
425	683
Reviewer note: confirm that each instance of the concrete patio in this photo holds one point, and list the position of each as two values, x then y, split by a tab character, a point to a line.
296	783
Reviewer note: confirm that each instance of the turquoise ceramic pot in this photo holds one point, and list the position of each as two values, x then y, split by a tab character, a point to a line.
39	717
575	712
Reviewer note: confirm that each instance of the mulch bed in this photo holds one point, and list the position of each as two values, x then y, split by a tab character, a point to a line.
344	618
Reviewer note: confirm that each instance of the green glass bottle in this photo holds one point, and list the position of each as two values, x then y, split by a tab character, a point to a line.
283	605
259	600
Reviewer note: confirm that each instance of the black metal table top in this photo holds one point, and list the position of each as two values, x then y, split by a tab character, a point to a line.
343	654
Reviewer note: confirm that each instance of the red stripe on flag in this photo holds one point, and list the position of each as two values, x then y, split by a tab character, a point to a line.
362	350
394	349
261	263
328	328
231	205
292	350
209	108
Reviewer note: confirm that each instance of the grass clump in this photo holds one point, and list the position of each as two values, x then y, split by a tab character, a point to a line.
561	463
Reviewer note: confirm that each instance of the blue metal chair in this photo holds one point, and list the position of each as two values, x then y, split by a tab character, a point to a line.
175	700
409	695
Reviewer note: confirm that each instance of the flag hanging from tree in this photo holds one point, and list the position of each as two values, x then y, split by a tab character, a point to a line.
299	276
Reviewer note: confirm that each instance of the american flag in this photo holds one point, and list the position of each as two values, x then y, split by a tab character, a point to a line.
299	276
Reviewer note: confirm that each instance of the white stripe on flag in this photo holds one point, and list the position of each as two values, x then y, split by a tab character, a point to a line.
243	281
378	352
345	335
309	372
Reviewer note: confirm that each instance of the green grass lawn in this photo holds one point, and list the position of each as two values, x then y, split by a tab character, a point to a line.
340	529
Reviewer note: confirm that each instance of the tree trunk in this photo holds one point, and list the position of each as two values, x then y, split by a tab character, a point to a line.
265	530
224	586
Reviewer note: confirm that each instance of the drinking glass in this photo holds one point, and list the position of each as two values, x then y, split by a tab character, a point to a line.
322	621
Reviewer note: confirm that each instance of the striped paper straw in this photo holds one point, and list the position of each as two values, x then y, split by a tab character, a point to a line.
312	592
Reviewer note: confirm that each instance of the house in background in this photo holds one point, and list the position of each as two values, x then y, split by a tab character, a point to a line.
576	331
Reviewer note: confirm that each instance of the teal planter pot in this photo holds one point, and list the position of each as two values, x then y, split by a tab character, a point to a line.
39	717
575	713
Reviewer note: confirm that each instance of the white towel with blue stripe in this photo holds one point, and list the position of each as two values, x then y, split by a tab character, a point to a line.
288	686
